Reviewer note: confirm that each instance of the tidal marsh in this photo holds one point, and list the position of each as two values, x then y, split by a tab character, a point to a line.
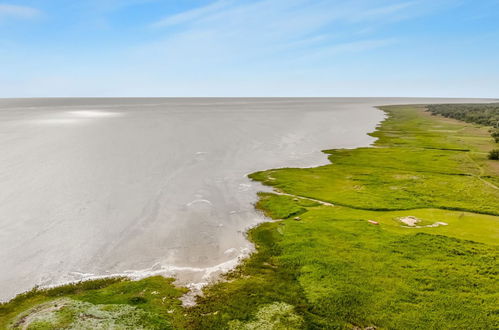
334	269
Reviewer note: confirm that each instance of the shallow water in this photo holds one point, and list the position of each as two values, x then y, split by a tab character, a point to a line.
96	187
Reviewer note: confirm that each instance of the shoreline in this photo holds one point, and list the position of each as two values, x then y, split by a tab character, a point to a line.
265	226
149	218
170	271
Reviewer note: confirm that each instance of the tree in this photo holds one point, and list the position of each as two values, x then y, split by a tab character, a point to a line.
482	114
495	135
494	154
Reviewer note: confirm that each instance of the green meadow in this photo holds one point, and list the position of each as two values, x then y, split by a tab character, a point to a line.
322	264
116	303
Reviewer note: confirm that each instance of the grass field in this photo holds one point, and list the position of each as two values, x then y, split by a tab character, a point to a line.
152	303
324	266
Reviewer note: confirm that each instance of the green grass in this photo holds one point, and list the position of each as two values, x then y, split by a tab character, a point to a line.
281	206
333	269
420	162
483	114
151	303
376	188
339	271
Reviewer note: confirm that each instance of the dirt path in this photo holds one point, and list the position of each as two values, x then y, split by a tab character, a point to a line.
303	197
46	308
482	173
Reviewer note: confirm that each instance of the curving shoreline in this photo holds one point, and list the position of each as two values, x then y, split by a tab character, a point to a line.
269	234
191	275
115	180
102	216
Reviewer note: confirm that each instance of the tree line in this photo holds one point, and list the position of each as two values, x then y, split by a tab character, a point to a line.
482	114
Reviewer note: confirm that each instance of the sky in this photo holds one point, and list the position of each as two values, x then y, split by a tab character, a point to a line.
426	48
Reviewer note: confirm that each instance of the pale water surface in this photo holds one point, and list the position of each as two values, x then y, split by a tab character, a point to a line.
99	187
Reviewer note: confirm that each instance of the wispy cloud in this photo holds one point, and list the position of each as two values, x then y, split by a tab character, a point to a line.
101	6
189	15
20	12
240	47
383	11
270	33
360	46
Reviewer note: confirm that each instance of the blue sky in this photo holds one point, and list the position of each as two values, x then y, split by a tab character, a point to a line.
249	48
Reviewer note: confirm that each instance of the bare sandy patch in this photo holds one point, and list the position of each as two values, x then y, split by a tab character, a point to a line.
411	222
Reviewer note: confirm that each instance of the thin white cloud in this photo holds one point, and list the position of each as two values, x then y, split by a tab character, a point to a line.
358	46
20	12
389	10
347	47
229	45
190	15
268	33
106	6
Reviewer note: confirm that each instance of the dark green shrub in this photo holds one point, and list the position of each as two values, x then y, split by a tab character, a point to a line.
494	154
137	300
